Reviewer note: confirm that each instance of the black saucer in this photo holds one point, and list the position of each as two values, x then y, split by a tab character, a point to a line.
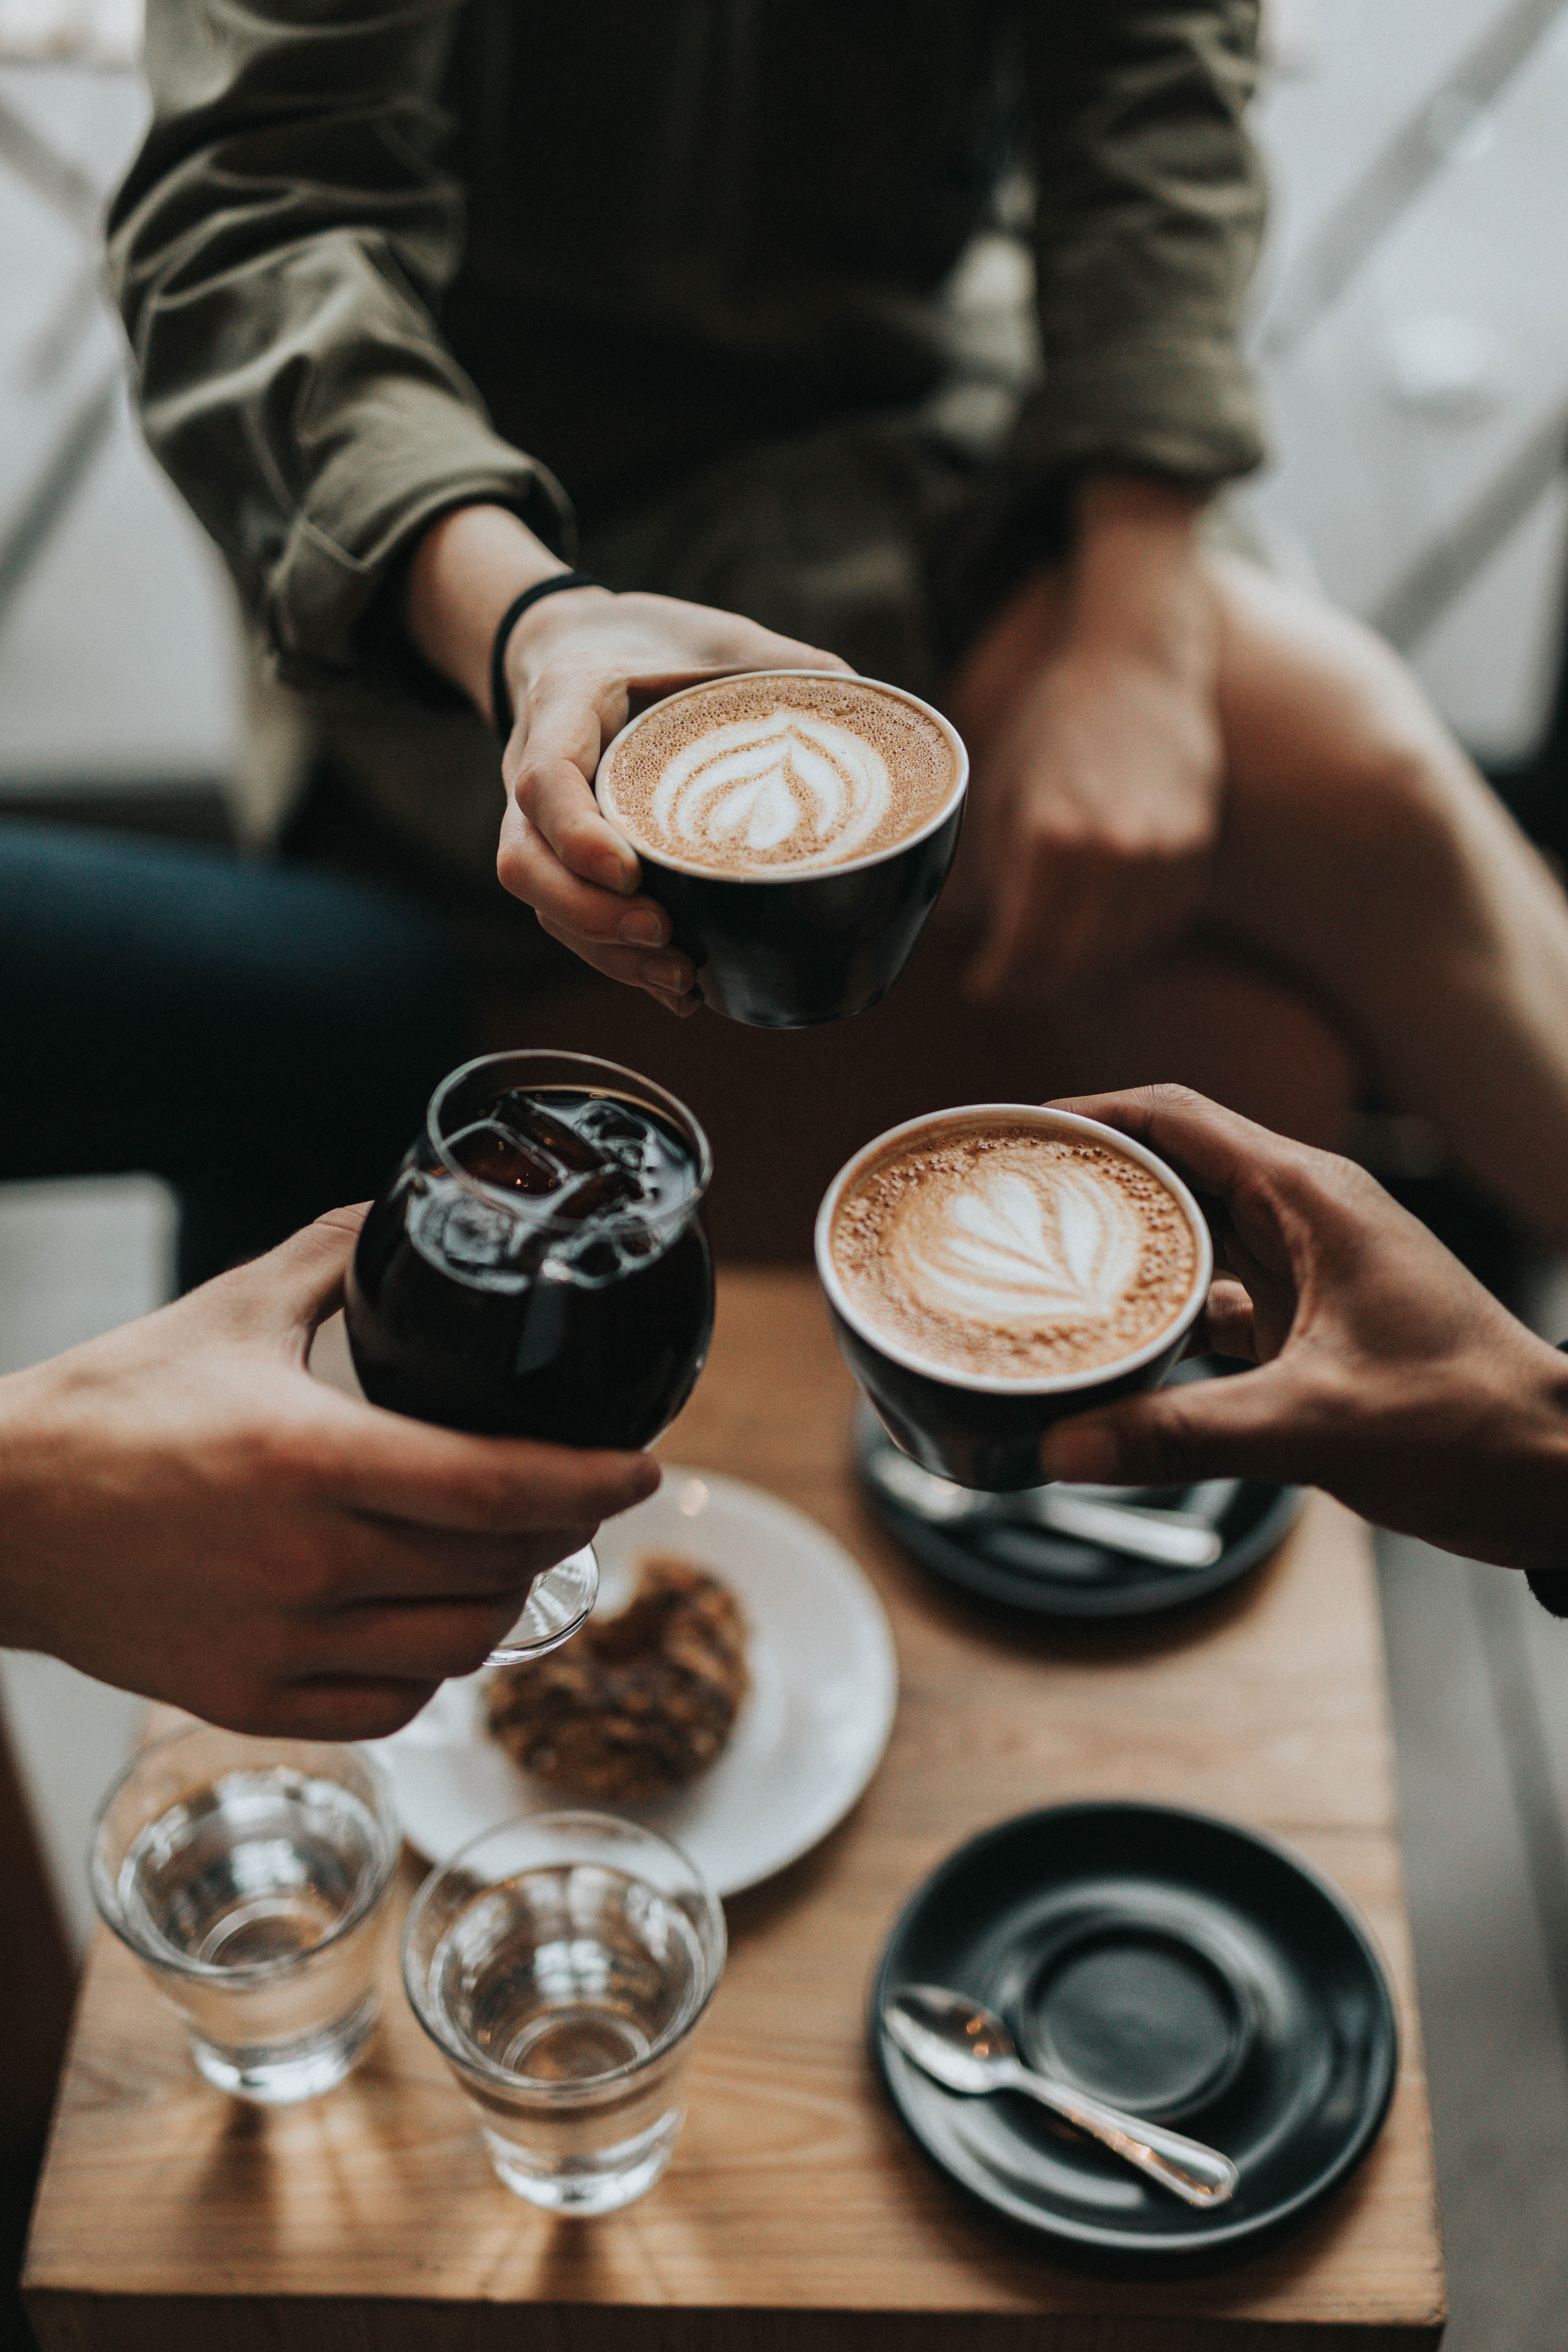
1176	1965
1054	1575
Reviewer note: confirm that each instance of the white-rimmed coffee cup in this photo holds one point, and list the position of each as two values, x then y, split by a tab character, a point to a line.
782	947
982	1429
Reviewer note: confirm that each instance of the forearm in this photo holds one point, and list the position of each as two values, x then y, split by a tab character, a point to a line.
1133	582
466	569
21	1626
1501	1467
1548	1569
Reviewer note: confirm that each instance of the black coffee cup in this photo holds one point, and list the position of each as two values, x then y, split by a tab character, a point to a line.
790	951
976	1429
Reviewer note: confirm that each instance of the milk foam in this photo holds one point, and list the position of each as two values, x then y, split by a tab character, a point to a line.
757	774
1007	1248
1013	1252
788	782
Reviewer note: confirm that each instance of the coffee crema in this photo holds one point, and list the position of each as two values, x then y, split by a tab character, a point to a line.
777	775
1003	1251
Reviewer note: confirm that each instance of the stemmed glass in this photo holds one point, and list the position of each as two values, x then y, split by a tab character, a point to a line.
538	1268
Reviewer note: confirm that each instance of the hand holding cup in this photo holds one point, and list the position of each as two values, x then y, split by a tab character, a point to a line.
995	1269
796	827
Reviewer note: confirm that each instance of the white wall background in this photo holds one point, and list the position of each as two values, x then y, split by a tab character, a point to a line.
1445	353
116	660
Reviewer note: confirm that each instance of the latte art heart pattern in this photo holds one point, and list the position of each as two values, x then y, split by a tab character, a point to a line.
788	783
987	1245
1011	1250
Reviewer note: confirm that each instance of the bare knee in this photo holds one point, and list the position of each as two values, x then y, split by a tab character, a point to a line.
1392	805
1331	746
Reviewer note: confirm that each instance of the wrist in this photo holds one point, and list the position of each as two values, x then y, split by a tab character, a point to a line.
1547	1576
1106	504
466	569
540	633
24	1446
1136	589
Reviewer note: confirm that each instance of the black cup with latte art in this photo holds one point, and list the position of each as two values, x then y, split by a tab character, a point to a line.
994	1269
798	826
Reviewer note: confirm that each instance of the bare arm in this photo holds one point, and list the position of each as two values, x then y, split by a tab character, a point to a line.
188	1514
1090	708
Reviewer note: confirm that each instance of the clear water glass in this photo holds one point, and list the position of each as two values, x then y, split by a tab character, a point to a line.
249	1877
561	1964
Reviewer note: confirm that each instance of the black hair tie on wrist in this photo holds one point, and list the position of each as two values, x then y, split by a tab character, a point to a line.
500	700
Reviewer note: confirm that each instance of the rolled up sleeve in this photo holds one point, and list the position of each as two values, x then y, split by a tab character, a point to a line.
278	253
1150	212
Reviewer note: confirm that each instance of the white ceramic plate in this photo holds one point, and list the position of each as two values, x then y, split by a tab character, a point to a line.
809	1735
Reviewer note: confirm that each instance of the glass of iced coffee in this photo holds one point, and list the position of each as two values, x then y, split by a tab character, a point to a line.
538	1268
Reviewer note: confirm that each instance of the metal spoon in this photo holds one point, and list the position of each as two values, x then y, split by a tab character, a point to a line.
1174	1539
966	2047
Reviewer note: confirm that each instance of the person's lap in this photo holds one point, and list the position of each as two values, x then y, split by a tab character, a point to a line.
919	565
871	539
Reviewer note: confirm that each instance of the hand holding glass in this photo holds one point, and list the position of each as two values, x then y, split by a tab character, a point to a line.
538	1268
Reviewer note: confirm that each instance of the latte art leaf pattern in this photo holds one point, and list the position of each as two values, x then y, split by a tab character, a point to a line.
779	773
789	782
1007	1248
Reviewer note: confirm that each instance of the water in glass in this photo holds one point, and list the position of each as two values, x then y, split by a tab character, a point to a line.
232	1888
565	1979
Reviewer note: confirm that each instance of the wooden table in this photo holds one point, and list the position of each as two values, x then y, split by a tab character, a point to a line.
796	2215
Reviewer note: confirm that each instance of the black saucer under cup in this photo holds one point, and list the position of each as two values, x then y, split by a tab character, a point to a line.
976	1429
1043	1572
794	950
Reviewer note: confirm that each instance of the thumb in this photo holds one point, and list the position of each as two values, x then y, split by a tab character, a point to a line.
1247	1425
298	1285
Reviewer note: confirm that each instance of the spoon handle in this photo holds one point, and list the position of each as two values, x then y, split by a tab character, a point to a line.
1176	1538
1199	2175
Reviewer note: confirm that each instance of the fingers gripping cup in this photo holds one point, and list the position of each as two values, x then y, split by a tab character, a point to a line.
994	1269
797	826
561	1964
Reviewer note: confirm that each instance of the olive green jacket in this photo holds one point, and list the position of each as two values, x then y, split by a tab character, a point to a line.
374	251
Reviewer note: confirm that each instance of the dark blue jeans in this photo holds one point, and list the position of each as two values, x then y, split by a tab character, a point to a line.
263	1038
